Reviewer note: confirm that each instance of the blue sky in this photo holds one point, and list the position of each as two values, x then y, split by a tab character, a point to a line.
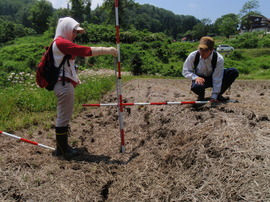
200	9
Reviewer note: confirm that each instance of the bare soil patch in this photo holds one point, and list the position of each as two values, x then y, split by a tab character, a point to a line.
173	152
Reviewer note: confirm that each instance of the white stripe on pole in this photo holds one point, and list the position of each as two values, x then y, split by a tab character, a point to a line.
116	14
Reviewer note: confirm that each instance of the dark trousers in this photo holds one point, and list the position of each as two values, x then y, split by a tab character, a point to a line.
229	76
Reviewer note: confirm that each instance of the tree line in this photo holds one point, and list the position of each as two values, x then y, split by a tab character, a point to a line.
34	17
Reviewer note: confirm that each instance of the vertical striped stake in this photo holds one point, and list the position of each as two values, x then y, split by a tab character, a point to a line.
25	140
119	83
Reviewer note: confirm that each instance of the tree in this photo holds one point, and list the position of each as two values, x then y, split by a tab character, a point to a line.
247	11
6	31
77	10
87	10
201	29
22	17
16	10
249	6
136	64
227	24
40	13
123	7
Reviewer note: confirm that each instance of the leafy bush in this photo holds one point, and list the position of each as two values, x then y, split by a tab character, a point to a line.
251	40
97	33
180	50
172	69
265	41
23	54
236	55
10	30
136	65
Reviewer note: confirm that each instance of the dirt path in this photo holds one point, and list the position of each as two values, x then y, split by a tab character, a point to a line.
173	152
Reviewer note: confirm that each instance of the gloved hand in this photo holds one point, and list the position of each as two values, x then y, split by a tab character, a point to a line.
104	51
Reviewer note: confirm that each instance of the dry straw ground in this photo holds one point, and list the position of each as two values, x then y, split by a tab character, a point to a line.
173	153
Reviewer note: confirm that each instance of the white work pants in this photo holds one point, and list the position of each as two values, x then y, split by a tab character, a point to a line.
65	103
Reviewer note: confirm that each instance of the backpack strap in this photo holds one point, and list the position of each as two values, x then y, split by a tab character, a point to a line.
196	61
66	57
213	62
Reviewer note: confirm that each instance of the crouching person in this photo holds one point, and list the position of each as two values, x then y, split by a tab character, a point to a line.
66	31
205	67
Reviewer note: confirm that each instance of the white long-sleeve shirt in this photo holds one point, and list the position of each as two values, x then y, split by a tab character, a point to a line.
204	69
63	45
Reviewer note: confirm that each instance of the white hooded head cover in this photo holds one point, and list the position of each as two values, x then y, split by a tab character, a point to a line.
65	28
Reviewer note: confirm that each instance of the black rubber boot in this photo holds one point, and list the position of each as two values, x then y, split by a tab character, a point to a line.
222	99
201	98
62	147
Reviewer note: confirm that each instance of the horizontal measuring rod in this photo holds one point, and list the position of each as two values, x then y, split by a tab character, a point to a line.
145	103
25	140
152	103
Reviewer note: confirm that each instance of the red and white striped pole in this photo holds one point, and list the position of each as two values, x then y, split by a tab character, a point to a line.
119	83
147	103
25	140
153	103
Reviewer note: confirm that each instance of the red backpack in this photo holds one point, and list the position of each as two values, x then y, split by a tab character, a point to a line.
47	74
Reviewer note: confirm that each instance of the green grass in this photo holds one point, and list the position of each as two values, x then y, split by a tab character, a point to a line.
25	105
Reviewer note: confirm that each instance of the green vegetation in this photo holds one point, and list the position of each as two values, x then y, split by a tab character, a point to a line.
30	17
24	104
142	52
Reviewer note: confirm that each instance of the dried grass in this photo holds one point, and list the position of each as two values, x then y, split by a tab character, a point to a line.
173	153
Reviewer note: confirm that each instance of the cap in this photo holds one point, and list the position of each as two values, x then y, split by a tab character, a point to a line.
206	43
79	29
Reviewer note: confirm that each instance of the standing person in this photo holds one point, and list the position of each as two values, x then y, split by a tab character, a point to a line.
209	71
66	31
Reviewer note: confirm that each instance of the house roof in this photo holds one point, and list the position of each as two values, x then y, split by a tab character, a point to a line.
255	15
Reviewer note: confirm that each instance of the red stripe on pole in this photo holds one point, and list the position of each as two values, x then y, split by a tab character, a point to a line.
25	140
29	141
158	103
122	137
121	103
188	102
117	35
93	105
116	3
128	104
119	70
